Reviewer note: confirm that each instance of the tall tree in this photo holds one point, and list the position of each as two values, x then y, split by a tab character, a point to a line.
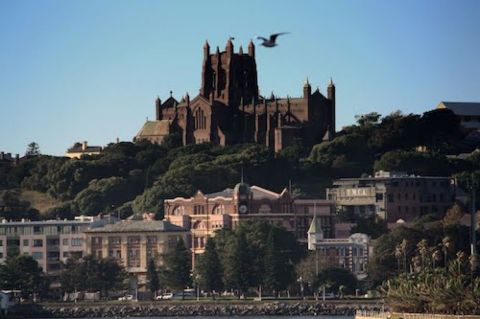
274	264
238	271
209	269
152	276
177	264
33	149
22	272
72	277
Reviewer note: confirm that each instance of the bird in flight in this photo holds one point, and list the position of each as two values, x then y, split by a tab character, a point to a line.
270	43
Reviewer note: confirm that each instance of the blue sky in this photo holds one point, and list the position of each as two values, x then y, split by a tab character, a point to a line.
90	70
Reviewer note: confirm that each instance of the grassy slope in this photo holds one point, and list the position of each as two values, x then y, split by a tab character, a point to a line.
40	201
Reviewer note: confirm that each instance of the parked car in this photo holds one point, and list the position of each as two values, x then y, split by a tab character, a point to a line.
165	296
126	298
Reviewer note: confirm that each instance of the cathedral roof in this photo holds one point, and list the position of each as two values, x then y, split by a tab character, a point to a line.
154	128
170	102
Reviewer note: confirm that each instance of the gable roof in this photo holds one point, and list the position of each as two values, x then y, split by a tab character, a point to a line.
461	108
155	128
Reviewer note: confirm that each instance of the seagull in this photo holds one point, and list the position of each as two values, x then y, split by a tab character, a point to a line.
270	43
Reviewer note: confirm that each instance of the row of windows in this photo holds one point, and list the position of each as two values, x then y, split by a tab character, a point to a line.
426	198
39	230
417	183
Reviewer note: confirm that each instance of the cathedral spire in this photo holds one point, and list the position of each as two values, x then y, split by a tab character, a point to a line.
229	46
251	49
240	51
206	49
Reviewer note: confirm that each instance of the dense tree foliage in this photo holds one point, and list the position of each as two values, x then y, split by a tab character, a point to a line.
209	269
92	274
395	248
176	270
137	177
22	272
453	288
256	254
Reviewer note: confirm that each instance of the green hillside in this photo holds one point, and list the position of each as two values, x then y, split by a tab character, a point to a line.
136	177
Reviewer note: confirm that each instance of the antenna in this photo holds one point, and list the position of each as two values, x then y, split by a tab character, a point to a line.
241	178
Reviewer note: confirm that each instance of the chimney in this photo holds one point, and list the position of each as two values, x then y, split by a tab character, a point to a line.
84	145
118	140
2	155
17	159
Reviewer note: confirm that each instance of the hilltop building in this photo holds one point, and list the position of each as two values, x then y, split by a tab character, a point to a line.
229	108
79	149
203	214
469	113
393	195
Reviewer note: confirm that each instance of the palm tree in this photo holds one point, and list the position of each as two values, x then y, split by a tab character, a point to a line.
398	255
422	248
403	248
436	256
447	247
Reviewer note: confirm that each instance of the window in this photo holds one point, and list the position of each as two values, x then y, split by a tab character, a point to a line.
26	242
198	210
264	209
200	119
77	242
406	196
37	230
1	255
37	243
65	242
1	243
37	255
114	240
390	198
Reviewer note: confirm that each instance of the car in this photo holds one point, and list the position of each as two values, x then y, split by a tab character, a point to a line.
126	298
165	296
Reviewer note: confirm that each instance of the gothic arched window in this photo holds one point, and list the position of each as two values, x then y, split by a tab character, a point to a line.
200	119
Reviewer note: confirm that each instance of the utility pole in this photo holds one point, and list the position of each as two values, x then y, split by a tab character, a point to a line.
473	219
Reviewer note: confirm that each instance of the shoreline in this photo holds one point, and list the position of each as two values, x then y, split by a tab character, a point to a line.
179	309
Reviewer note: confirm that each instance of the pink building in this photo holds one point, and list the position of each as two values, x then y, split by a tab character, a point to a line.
203	214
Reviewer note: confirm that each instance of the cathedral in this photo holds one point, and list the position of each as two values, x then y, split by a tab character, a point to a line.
230	110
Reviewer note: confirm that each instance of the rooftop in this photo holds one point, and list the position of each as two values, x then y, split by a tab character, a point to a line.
134	225
461	108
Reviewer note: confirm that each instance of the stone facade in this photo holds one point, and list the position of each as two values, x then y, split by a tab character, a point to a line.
203	214
229	108
133	242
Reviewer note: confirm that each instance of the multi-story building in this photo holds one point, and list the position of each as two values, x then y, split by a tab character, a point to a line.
393	195
351	253
48	242
203	214
133	242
